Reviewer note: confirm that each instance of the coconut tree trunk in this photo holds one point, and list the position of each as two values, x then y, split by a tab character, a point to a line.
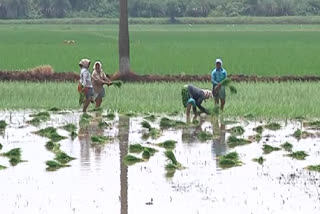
124	47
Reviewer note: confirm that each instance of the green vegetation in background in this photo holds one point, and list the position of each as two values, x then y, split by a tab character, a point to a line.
264	50
284	100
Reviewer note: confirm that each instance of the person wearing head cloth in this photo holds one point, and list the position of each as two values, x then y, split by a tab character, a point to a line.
99	79
85	81
192	97
217	76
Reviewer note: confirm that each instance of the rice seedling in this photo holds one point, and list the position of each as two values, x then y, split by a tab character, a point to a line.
85	120
1	146
146	155
258	138
166	123
313	125
130	160
53	146
258	129
204	136
50	133
136	148
301	134
2	167
3	125
229	160
151	118
63	158
237	130
259	160
15	161
54	165
299	155
315	168
273	126
174	164
73	135
110	116
99	140
154	133
54	109
267	149
117	84
234	141
227	83
69	127
287	146
14	156
146	125
169	144
39	118
152	151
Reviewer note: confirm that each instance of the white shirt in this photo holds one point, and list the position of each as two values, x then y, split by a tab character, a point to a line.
85	78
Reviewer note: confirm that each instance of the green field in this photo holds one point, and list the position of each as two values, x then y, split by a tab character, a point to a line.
285	100
264	50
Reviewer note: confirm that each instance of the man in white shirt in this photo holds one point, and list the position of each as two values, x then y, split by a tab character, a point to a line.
85	81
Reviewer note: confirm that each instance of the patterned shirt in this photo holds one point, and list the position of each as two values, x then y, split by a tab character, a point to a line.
218	75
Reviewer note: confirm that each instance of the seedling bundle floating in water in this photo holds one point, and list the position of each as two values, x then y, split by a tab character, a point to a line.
204	136
3	125
273	126
267	149
147	152
50	133
315	168
130	160
99	140
71	128
39	118
259	160
14	156
236	131
258	129
301	134
54	165
169	144
166	123
287	146
234	141
299	155
173	163
152	132
229	160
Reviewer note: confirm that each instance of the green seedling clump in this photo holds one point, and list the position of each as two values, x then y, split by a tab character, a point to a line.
71	128
169	144
39	118
14	156
267	149
237	130
174	164
99	140
130	160
2	167
110	116
315	168
301	134
136	148
1	146
3	125
204	136
314	124
54	165
151	118
234	141
273	126
55	109
146	125
259	160
117	84
258	129
258	137
63	158
166	123
229	160
146	155
152	151
53	146
299	155
50	133
85	120
287	146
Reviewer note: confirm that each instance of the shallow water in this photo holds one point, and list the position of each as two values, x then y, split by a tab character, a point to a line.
98	181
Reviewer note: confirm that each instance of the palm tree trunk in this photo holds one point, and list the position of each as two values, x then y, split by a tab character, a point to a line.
124	47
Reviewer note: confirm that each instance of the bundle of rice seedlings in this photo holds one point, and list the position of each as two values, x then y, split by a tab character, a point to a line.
258	129
287	146
146	125
85	120
151	118
110	116
299	155
117	84
1	146
50	133
234	141
14	156
169	144
204	136
237	130
54	165
259	160
146	155
273	126
130	160
2	167
166	123
315	168
229	160
267	149
69	127
63	158
39	118
3	125
301	134
173	164
53	146
228	83
55	109
99	140
136	148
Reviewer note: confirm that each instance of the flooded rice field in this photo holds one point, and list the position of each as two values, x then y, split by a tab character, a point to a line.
196	180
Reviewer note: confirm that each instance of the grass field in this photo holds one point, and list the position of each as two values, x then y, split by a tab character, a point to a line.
285	100
166	49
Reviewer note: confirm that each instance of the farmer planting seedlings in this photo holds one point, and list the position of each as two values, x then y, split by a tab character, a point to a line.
85	85
193	97
99	79
218	90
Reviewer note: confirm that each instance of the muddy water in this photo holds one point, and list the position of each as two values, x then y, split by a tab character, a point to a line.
98	181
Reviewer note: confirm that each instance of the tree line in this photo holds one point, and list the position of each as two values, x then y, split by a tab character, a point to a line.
24	9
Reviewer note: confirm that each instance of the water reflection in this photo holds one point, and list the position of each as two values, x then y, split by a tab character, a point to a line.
219	146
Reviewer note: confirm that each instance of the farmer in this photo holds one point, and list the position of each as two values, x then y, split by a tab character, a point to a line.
193	97
217	76
85	81
99	79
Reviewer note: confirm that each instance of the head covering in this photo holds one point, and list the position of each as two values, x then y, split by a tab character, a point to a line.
97	62
207	94
218	60
85	63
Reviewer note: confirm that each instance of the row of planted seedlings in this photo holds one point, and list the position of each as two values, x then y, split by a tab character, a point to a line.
232	159
140	153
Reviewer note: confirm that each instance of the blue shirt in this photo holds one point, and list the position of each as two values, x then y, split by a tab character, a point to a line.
217	76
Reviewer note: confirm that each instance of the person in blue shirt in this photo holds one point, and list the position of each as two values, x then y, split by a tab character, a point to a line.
217	76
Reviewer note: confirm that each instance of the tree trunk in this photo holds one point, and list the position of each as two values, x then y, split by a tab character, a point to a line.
124	48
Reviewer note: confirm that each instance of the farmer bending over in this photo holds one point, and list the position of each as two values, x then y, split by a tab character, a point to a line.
85	81
99	78
217	76
193	97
